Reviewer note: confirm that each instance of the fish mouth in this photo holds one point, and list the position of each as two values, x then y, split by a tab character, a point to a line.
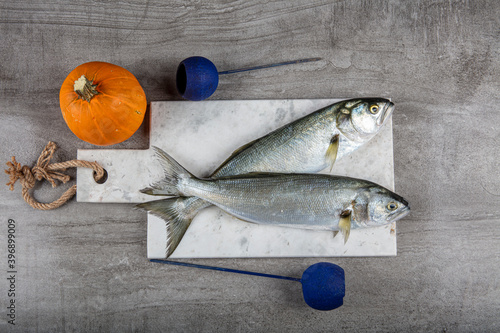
386	113
403	212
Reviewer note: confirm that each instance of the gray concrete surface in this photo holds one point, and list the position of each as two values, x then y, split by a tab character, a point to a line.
83	267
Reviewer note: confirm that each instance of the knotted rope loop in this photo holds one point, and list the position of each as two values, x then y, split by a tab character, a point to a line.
50	172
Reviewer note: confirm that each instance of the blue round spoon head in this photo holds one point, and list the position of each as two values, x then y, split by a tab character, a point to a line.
323	286
197	78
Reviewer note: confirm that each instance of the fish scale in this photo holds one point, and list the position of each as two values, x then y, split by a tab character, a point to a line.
309	144
316	207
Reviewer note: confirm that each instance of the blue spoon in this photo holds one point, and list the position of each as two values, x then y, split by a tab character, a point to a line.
323	284
197	77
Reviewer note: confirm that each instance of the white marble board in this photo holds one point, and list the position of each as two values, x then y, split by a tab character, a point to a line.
200	136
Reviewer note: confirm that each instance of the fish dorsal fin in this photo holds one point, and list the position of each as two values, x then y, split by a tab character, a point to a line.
345	224
331	152
236	152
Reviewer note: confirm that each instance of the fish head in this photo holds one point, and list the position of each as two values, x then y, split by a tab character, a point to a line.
384	206
361	119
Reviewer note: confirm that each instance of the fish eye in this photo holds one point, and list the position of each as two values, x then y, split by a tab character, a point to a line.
374	108
392	206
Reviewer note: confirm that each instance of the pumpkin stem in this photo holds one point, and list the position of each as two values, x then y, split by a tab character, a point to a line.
85	89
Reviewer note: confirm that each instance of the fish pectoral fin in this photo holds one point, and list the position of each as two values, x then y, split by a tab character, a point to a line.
331	152
335	233
177	214
345	224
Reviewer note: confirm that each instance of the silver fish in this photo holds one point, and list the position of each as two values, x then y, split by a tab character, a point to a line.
314	142
309	144
307	201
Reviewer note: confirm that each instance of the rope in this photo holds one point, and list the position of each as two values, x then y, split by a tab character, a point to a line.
43	170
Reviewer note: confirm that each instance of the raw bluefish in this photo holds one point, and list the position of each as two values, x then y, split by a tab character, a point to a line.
309	144
307	201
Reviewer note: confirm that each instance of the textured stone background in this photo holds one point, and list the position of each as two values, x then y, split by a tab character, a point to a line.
83	267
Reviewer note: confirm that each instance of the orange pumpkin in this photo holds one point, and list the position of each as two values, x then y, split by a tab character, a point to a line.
102	103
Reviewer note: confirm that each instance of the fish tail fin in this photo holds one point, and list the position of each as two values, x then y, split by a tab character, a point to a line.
173	173
177	214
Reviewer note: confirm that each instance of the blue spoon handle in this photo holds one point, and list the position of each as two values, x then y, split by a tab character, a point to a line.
268	66
168	262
